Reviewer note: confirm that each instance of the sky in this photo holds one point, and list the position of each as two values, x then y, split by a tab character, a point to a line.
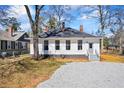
90	25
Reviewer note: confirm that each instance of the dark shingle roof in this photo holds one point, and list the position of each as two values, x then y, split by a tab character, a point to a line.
68	32
4	35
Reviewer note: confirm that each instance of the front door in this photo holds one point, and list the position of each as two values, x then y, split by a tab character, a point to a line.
91	48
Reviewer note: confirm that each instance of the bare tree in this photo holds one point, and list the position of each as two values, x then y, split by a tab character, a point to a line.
5	20
116	24
98	12
119	39
101	15
116	19
34	27
60	13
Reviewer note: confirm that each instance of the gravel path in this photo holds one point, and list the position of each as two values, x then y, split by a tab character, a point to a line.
90	74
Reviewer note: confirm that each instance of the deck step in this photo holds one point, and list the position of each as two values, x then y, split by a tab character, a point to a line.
94	57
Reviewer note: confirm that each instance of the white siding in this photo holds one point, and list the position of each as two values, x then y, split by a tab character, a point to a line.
51	47
74	47
96	48
85	48
31	49
40	48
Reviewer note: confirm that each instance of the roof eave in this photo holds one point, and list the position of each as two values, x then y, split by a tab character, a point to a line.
65	37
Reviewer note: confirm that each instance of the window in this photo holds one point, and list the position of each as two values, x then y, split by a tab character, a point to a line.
57	44
20	45
3	45
68	44
24	45
90	45
12	45
79	44
46	45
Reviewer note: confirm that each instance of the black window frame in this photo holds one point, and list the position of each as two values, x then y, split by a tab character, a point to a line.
13	44
80	42
68	45
46	45
57	44
4	45
20	45
90	45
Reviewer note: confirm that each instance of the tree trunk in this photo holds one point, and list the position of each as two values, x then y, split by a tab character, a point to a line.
34	27
120	50
35	44
101	45
36	50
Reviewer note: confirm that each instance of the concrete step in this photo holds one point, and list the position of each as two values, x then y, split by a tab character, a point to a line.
94	57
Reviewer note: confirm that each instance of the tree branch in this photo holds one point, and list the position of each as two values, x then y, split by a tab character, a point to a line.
29	14
41	7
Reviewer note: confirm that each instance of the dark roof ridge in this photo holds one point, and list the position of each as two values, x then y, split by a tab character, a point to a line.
68	32
75	30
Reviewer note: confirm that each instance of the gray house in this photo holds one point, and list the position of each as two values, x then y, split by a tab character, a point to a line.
13	42
68	42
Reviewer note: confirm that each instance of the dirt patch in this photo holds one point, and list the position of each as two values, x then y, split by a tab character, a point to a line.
26	72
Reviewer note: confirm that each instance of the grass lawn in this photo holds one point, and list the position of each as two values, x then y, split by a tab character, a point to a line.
112	58
25	72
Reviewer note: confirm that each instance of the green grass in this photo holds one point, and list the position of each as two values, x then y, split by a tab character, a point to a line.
26	72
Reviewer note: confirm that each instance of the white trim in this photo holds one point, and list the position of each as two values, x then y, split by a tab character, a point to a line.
72	38
68	38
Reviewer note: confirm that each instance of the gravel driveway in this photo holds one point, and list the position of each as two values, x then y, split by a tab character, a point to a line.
90	74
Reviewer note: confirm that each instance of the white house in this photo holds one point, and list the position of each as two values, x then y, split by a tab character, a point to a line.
68	42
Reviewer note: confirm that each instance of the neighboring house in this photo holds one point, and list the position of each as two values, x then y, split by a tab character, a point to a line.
111	43
13	42
68	42
117	41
